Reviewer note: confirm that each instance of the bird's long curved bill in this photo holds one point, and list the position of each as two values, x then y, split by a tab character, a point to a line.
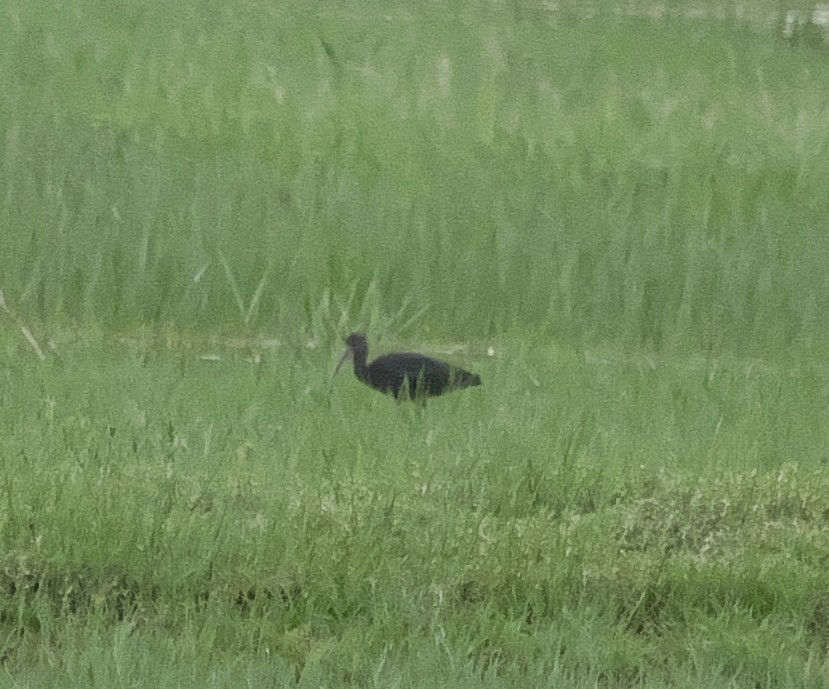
345	357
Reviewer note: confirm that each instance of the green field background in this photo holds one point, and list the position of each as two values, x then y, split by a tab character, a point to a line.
615	213
487	168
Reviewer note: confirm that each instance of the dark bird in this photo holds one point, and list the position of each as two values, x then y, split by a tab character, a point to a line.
404	373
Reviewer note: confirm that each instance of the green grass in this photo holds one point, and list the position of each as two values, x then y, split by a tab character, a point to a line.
654	521
497	168
629	211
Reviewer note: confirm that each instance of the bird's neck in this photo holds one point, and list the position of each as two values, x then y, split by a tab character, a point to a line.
361	367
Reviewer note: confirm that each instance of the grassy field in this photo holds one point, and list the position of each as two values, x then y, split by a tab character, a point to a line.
616	215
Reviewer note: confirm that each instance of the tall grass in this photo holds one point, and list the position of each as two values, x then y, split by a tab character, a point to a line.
499	168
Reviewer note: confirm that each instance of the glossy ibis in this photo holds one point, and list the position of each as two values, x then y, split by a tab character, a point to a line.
404	373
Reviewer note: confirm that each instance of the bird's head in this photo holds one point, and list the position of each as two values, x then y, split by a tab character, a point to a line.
355	345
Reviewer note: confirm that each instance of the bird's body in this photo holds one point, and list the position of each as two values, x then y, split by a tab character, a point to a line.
405	374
